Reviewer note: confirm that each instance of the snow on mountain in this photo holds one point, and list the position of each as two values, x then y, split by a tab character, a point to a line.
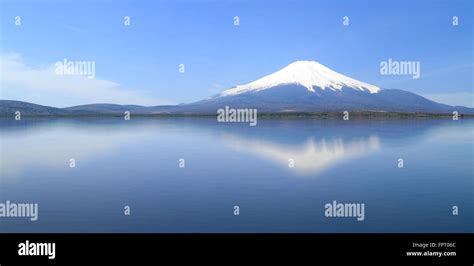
309	74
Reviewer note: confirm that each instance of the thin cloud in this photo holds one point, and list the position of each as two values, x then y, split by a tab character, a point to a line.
73	28
454	98
40	84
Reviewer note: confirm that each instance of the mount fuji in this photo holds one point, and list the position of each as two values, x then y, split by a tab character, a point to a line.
308	86
300	87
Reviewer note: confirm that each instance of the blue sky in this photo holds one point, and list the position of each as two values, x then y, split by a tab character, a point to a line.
139	63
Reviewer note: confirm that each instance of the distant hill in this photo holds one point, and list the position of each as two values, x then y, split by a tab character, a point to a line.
106	108
10	107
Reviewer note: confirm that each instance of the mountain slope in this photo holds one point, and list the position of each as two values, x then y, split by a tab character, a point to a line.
296	98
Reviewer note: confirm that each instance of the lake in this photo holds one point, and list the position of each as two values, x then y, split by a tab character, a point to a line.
280	173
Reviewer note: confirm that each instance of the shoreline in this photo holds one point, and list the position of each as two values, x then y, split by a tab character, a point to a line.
283	116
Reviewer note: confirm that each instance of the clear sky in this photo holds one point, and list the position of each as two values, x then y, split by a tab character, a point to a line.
139	64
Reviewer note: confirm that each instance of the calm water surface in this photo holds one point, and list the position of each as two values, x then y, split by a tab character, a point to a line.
135	163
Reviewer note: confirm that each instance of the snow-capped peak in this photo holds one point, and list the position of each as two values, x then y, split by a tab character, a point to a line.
309	74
